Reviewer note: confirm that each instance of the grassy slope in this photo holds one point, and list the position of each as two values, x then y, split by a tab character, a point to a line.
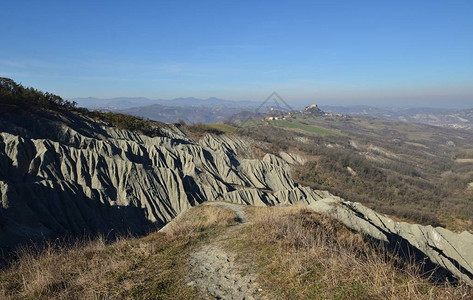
299	254
293	253
197	131
294	124
405	170
140	268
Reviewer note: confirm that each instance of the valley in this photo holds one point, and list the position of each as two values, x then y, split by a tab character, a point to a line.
442	117
86	183
416	172
236	150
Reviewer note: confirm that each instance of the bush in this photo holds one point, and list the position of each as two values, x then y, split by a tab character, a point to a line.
123	121
14	94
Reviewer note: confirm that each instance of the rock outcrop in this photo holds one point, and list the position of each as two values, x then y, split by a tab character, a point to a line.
63	174
438	248
66	174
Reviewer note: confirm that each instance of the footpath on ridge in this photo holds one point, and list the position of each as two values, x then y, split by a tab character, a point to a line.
214	269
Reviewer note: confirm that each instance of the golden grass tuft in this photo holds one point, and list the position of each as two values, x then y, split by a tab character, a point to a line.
192	223
299	254
151	267
294	253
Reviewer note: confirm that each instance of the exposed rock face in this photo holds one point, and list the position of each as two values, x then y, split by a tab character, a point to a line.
450	251
292	158
70	175
65	174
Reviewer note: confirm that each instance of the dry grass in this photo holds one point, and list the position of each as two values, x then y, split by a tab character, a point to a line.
143	268
299	254
295	254
464	160
192	223
199	130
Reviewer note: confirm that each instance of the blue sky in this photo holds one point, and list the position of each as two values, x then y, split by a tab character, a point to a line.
330	52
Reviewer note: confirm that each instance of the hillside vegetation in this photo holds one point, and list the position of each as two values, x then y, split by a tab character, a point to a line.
66	175
292	252
299	254
16	97
152	267
415	172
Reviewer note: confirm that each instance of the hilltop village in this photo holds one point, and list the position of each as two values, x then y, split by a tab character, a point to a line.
280	114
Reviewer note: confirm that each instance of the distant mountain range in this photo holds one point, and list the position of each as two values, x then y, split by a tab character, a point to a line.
211	110
190	110
189	114
460	119
129	102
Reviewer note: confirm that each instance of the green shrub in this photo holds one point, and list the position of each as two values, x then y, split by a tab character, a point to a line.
14	94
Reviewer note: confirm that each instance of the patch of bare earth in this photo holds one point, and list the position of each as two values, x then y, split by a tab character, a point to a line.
215	271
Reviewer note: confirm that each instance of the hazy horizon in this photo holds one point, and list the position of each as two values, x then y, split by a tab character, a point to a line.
332	53
391	103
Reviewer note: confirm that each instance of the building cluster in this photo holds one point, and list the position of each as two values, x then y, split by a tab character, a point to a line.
278	114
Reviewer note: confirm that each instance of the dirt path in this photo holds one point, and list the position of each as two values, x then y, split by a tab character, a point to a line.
215	271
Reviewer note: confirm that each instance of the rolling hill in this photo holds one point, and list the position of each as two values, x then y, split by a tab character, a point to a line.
68	173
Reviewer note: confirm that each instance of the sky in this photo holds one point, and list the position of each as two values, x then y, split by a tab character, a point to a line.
411	53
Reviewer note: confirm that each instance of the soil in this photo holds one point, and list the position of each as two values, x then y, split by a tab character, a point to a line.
215	271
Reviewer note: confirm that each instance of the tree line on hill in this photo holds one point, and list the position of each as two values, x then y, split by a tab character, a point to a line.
14	96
